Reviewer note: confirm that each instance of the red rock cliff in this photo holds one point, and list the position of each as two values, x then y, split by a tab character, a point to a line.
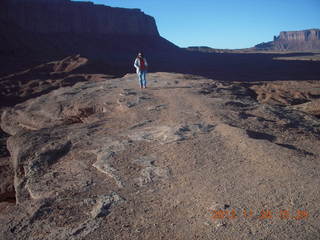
64	16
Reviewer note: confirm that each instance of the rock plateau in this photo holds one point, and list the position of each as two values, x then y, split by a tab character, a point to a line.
305	40
104	159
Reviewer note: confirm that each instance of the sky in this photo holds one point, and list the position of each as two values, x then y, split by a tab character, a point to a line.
225	24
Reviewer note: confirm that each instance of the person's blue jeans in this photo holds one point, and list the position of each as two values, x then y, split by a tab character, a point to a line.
142	78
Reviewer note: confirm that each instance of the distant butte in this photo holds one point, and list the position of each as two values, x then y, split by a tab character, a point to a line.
305	40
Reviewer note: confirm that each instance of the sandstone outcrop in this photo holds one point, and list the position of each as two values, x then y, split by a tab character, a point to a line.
107	160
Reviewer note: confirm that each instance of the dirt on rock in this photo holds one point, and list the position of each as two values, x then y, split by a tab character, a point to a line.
186	158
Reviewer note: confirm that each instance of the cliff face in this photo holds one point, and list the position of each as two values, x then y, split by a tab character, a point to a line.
306	40
33	32
64	16
306	35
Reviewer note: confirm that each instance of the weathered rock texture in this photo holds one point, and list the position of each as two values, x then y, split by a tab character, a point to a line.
294	41
107	160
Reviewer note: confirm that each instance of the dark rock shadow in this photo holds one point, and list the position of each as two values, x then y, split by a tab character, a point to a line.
3	144
291	147
260	136
236	104
244	115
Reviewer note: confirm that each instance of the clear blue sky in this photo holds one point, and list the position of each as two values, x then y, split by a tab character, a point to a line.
225	23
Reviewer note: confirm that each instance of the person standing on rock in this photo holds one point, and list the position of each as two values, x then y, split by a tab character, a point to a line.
141	66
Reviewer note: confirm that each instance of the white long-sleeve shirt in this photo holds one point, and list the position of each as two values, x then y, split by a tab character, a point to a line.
137	64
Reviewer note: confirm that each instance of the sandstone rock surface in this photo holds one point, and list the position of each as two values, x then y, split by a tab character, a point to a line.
107	160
